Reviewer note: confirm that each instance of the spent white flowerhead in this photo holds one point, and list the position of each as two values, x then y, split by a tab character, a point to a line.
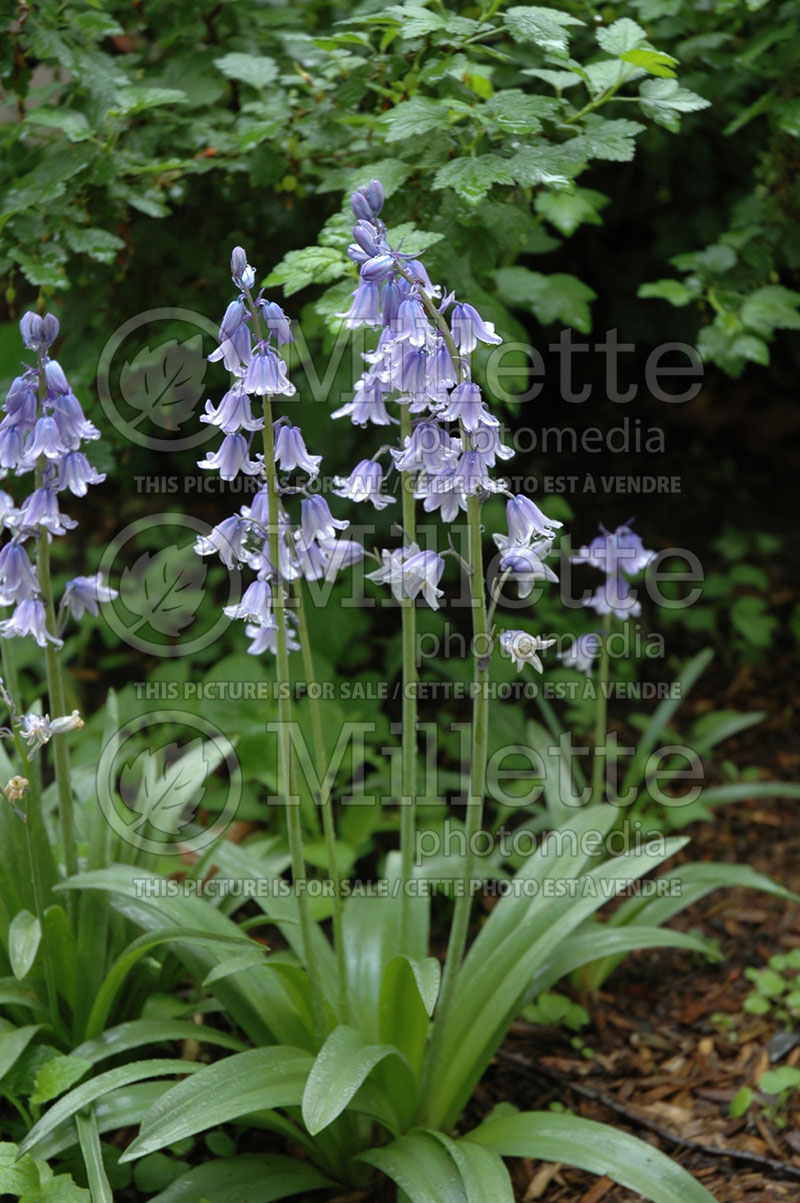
524	648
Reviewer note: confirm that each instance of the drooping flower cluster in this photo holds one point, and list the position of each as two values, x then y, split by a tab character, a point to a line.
43	431
422	364
621	555
251	331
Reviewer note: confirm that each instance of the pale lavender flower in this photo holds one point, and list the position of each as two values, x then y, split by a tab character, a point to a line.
291	452
233	412
363	484
266	374
526	521
317	522
18	579
85	594
616	551
468	328
76	474
226	540
29	618
40	509
614	597
526	565
255	606
582	652
231	458
409	572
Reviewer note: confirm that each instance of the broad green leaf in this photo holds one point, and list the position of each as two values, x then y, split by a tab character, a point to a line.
24	938
257	1178
93	1158
598	1148
16	1176
550	298
255	69
235	964
600	940
421	1167
482	1172
139	948
472	178
122	1108
71	122
256	1080
408	996
138	1032
489	991
57	1075
662	716
60	1189
95	1088
342	1065
13	1045
136	99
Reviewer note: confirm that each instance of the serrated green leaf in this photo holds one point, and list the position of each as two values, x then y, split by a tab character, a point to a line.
512	110
411	240
652	61
772	308
258	70
663	100
545	27
623	35
101	245
604	139
559	297
311	265
413	117
472	178
567	210
135	99
667	290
